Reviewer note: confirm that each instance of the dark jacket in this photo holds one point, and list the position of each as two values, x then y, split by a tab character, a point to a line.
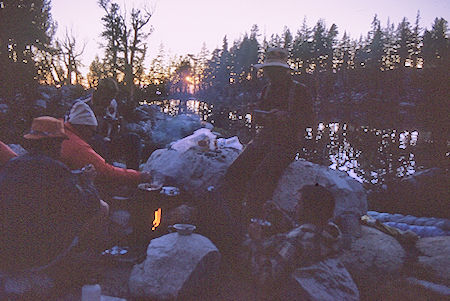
42	209
293	98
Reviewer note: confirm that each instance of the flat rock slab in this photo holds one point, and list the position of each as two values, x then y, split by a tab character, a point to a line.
325	280
434	258
373	256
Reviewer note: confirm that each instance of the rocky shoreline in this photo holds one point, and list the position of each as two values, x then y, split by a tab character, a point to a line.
383	266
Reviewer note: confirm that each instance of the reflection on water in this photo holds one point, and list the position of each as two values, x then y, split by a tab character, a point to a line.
174	107
367	154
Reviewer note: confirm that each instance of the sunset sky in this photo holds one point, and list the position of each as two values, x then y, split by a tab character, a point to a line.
182	26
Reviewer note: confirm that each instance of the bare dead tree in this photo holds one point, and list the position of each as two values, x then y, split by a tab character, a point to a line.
70	55
134	49
125	36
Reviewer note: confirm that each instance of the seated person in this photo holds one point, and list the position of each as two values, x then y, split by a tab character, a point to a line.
273	258
109	142
76	151
105	107
103	101
45	210
6	154
111	118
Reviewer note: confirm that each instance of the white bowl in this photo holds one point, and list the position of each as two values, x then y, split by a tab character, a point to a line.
184	229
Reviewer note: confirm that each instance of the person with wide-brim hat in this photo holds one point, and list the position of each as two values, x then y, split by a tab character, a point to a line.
275	57
46	127
285	109
46	136
46	210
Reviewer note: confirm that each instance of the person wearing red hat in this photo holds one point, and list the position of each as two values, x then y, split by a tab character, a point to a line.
45	209
6	154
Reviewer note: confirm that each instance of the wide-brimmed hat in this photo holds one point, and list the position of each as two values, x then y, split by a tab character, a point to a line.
82	114
46	127
275	57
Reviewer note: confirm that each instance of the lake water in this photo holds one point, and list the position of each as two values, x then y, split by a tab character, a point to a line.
369	155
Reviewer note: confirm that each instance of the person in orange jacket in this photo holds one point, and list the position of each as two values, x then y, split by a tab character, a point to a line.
6	154
76	152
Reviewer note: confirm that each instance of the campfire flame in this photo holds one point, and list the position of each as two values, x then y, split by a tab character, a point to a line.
157	219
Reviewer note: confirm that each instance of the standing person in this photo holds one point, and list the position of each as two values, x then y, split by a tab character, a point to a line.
76	151
6	154
44	209
286	109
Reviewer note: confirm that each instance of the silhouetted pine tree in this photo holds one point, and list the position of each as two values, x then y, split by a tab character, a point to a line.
25	28
405	43
435	111
375	47
113	28
416	40
302	49
435	48
96	72
224	68
287	39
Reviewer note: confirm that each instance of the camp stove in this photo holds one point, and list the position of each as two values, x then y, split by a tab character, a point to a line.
150	204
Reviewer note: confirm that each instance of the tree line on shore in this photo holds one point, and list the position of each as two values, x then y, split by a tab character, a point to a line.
391	63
